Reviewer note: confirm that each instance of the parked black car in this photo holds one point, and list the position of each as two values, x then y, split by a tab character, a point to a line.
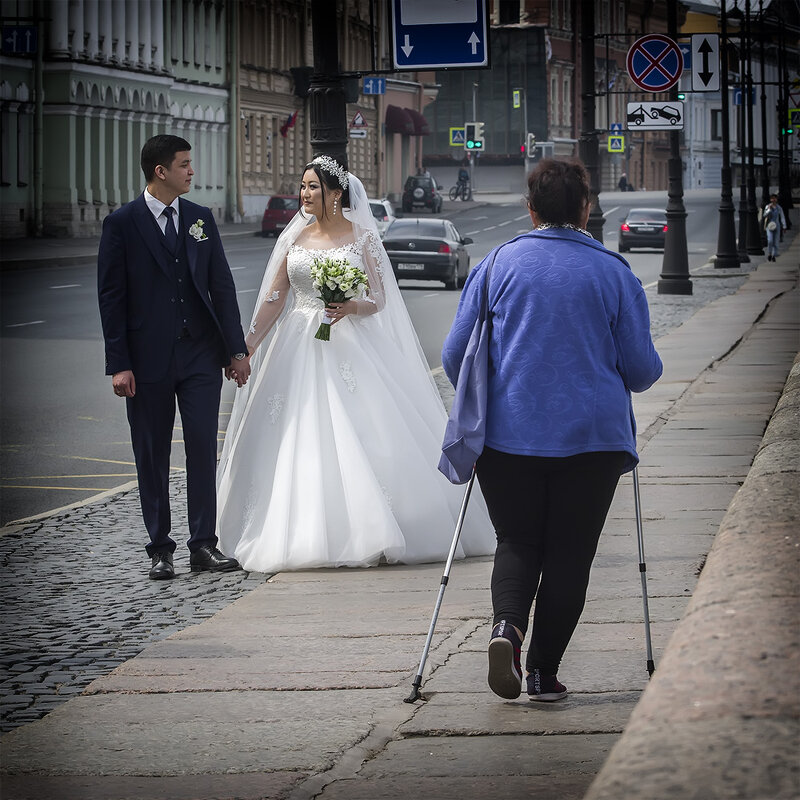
421	191
643	227
428	249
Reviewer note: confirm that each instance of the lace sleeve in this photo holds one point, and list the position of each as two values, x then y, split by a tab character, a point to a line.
375	260
270	309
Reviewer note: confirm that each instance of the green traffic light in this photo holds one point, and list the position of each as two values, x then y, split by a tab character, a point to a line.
470	145
681	96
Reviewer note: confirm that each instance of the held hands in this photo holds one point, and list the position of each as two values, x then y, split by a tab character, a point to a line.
338	310
239	370
123	383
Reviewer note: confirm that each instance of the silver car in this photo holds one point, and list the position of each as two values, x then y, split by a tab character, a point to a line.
383	212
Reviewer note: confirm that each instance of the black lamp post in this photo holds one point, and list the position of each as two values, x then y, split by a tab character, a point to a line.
764	166
674	278
726	236
743	257
754	247
326	93
588	145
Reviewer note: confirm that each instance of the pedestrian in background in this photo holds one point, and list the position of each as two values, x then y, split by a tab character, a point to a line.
171	323
774	225
623	183
570	340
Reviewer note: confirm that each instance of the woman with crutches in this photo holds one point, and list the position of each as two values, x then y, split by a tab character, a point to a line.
570	340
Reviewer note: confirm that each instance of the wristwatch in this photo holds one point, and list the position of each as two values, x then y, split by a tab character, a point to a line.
239	356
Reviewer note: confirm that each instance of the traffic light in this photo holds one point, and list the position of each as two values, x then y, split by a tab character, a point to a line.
473	136
530	145
681	95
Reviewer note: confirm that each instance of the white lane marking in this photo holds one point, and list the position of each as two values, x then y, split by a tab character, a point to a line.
245	291
429	295
523	230
23	324
477	218
472	233
524	216
66	286
507	222
490	228
610	211
233	269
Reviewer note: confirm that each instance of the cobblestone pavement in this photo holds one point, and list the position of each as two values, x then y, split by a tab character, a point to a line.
75	595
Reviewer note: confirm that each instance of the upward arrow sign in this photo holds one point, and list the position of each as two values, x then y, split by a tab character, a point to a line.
705	49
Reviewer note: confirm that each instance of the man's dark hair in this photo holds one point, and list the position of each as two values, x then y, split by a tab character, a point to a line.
161	150
558	191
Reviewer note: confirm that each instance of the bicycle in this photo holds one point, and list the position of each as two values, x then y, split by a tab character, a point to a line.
462	189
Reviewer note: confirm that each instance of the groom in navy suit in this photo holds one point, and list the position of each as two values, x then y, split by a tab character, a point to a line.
171	325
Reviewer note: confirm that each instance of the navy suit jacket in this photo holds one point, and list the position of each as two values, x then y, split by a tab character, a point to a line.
136	289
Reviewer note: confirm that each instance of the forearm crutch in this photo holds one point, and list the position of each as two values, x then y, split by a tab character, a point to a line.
651	667
415	693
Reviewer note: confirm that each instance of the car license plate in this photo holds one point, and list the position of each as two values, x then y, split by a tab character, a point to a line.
411	266
645	229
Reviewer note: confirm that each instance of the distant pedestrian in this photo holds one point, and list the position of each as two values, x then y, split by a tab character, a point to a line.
623	182
171	323
570	340
774	225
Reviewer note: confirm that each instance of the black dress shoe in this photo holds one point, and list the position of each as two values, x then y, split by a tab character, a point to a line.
162	568
210	559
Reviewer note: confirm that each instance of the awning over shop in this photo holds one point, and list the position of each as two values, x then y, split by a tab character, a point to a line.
398	120
421	127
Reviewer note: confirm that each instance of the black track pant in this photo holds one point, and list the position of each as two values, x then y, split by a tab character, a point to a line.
548	514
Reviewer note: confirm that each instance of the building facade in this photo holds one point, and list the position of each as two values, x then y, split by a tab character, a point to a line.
112	74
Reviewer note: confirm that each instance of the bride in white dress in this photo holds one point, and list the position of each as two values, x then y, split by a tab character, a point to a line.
331	452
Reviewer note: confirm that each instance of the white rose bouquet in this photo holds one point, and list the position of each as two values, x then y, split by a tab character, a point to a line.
336	281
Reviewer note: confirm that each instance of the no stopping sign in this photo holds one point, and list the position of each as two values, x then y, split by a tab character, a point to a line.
655	63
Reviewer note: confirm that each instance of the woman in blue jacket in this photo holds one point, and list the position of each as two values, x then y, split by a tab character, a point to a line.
570	341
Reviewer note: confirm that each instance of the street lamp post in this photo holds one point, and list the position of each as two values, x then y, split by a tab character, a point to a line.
754	247
743	257
588	146
326	92
674	278
764	166
726	236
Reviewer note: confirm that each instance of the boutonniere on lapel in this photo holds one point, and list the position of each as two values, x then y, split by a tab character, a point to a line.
197	232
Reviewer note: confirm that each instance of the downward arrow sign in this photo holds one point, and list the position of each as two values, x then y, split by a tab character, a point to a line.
407	48
705	48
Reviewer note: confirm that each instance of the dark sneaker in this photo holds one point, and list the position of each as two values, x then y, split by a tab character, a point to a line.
505	669
544	688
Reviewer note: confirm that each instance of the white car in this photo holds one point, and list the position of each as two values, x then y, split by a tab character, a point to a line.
383	212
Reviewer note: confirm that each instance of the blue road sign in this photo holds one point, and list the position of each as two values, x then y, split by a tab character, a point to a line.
737	96
374	85
441	34
615	127
654	63
21	39
686	52
457	137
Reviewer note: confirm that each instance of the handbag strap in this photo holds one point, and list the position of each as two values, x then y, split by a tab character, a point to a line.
484	312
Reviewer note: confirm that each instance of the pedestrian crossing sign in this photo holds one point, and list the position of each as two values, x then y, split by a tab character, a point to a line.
457	137
616	144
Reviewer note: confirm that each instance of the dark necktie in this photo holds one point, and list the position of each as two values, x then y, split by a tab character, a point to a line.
170	234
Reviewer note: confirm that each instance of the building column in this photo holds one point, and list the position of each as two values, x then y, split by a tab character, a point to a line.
76	48
131	41
91	27
157	35
83	155
112	176
105	16
58	39
211	36
145	47
119	12
99	156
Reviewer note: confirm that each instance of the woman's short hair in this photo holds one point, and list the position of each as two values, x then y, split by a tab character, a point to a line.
558	191
328	180
161	150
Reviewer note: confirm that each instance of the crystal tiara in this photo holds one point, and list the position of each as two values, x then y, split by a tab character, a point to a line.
334	168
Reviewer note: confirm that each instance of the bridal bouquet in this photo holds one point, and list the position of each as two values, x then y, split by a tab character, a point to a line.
336	281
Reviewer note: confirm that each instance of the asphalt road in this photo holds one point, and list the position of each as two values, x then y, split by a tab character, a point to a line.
63	435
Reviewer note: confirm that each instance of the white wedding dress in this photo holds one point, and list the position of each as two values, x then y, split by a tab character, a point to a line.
333	460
